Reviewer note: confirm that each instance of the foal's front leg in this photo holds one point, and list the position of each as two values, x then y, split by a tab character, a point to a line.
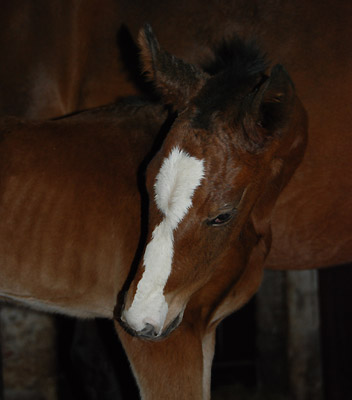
170	369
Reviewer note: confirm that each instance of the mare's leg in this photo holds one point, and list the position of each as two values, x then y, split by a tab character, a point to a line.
171	369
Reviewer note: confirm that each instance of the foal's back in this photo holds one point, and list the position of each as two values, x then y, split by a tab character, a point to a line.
70	207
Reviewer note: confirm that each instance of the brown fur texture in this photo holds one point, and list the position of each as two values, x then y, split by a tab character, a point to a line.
63	208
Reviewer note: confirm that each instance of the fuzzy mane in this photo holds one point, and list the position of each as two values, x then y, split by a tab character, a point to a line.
243	58
236	68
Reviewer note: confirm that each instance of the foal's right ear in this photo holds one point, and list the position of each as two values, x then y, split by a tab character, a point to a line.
177	80
271	108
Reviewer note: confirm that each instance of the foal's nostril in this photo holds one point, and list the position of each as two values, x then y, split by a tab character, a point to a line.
148	331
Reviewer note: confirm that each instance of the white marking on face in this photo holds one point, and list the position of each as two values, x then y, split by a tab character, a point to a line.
178	178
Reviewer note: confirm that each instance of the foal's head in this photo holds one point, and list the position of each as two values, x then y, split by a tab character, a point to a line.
237	139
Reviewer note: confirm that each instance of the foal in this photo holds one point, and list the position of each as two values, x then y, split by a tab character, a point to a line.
70	207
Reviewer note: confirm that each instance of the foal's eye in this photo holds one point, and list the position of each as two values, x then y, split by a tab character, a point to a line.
220	219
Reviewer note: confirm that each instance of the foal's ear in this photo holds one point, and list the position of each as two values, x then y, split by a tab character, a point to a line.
271	107
177	80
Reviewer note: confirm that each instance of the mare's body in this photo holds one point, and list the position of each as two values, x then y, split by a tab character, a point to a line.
69	60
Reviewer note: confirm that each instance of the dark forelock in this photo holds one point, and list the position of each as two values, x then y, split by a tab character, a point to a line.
235	65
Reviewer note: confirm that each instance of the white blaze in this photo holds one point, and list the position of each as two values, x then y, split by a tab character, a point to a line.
179	176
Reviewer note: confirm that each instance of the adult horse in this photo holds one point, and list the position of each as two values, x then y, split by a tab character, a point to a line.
70	208
69	61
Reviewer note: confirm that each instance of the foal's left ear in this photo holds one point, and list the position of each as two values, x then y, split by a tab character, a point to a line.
271	107
177	80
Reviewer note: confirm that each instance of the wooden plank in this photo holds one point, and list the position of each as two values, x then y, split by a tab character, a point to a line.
272	335
304	335
289	335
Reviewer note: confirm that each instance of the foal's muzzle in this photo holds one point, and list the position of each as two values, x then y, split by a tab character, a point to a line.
149	332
